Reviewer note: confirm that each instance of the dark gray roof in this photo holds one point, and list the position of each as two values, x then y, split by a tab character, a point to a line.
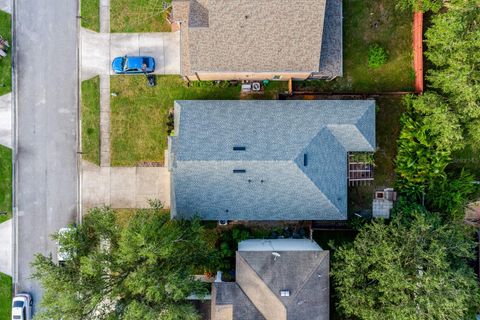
276	184
229	293
261	276
259	36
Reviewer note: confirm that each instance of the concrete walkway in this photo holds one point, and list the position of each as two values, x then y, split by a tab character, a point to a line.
6	120
99	50
124	187
6	247
104	16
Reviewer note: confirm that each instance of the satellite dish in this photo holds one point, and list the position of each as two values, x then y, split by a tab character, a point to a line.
275	255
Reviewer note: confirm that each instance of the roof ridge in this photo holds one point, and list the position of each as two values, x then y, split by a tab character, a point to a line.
324	253
305	175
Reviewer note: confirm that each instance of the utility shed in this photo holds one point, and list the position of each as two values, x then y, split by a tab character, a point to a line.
275	280
266	160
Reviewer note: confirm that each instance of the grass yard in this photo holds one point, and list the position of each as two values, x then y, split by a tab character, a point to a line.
368	22
5	296
90	12
91	120
140	114
138	16
389	111
5	182
6	63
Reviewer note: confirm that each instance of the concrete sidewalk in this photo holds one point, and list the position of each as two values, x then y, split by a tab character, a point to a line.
6	120
99	50
6	247
6	5
124	187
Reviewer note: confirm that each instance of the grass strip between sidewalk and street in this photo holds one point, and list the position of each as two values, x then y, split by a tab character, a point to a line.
91	120
5	183
6	62
5	296
90	12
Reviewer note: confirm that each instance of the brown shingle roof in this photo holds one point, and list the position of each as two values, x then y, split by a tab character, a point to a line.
252	35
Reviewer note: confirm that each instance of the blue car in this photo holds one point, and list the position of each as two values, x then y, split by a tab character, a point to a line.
128	65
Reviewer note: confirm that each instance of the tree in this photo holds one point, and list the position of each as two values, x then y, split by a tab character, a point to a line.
430	132
420	5
412	268
453	47
144	270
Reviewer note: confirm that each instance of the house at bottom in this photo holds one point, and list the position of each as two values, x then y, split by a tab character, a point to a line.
266	160
281	279
259	39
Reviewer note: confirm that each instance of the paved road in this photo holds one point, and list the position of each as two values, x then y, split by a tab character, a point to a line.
46	124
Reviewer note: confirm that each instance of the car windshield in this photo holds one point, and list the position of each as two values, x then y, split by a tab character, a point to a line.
124	63
18	304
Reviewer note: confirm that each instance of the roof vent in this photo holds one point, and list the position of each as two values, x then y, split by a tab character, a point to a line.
239	170
305	160
285	293
239	148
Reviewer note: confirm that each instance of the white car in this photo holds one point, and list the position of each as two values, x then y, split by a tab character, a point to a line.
22	307
62	256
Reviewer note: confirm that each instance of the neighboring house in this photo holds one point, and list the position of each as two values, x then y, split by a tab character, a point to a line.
281	279
259	39
266	160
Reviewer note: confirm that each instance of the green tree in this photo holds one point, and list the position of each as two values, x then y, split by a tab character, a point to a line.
453	47
412	268
430	132
420	5
144	270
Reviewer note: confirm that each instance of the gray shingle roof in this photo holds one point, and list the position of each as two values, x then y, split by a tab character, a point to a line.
256	36
276	185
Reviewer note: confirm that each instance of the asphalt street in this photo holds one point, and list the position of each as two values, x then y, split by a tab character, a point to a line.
46	129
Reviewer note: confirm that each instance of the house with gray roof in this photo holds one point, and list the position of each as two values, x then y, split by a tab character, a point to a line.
259	39
271	284
266	160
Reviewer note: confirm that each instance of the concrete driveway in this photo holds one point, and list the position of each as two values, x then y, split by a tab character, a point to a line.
99	49
6	247
123	187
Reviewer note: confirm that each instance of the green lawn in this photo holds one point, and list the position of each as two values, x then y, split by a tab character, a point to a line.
138	16
389	111
5	182
5	296
6	63
140	114
367	22
91	120
90	12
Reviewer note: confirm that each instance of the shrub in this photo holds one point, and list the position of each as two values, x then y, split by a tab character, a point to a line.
377	56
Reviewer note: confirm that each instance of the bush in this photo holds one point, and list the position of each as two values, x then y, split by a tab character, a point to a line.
377	56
